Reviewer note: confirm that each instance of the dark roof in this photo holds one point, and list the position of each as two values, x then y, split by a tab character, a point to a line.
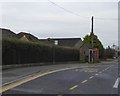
86	45
7	33
29	36
71	42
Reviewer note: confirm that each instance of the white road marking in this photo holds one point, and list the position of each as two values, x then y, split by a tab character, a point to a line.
73	87
116	83
91	77
96	74
84	81
38	75
26	76
7	83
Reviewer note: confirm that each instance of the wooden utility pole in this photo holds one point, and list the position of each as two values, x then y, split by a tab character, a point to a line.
91	58
92	39
92	31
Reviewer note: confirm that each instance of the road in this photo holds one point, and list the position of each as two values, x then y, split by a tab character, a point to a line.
75	79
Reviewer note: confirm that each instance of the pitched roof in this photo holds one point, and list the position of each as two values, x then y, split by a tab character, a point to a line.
28	36
71	42
86	45
7	33
24	38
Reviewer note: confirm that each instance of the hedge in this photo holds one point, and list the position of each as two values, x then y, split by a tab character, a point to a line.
16	51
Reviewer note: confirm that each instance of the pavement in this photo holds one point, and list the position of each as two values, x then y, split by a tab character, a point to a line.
99	78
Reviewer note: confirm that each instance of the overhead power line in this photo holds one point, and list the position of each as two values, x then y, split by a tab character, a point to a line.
71	12
106	18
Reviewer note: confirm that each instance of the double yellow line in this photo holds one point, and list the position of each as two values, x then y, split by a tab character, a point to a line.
5	88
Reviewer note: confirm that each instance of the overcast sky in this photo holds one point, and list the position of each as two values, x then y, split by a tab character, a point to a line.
45	20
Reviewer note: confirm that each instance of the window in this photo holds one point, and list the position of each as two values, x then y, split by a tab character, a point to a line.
56	42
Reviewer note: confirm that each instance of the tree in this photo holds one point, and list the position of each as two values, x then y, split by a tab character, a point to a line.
96	43
109	52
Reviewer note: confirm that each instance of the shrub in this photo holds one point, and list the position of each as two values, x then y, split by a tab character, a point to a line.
16	51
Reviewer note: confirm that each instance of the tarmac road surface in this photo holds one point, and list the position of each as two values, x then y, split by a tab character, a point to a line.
77	79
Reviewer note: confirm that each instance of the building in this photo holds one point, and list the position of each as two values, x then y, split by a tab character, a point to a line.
7	33
67	42
95	54
87	54
26	37
85	49
84	52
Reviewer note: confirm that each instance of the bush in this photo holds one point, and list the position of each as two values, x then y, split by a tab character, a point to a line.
16	51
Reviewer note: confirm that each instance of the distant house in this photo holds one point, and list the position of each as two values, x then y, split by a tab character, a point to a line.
85	49
26	37
71	42
22	35
7	33
68	42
